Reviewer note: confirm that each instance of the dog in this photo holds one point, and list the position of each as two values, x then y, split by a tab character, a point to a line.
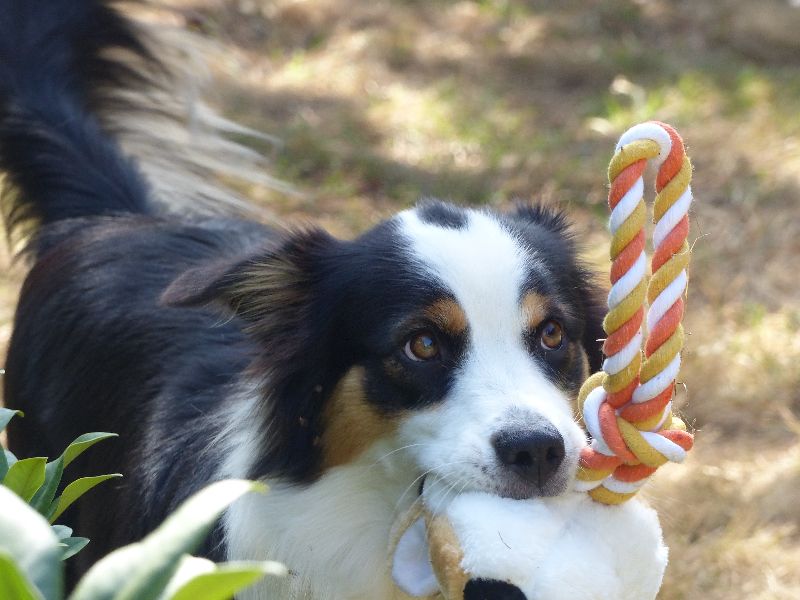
444	342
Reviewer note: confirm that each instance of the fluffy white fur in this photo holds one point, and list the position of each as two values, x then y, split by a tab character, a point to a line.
559	548
332	535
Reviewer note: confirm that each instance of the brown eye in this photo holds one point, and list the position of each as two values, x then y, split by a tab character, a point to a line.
422	346
551	335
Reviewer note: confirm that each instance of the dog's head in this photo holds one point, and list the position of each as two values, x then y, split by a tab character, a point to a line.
460	335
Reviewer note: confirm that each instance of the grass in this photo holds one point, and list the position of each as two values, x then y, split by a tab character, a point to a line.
379	103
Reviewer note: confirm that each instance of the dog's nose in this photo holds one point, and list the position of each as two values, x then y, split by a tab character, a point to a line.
491	589
534	454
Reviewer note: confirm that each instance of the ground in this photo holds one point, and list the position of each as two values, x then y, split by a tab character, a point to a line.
379	103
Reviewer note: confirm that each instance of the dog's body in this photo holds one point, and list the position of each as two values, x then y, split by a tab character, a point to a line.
442	343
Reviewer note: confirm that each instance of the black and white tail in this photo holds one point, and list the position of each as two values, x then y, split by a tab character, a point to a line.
78	83
58	60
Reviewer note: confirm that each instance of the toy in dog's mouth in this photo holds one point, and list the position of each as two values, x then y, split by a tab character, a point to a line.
478	546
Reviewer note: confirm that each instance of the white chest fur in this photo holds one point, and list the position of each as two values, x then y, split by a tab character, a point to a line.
333	535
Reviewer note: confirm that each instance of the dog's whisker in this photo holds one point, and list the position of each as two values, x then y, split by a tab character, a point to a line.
418	478
444	498
395	451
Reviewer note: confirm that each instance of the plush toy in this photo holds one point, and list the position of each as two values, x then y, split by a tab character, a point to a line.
482	547
603	545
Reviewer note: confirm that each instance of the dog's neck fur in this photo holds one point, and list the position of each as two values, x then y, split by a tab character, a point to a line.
333	534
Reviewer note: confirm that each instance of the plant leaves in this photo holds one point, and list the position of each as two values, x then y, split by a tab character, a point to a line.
27	537
62	531
200	581
10	458
43	499
6	414
6	460
83	443
73	545
142	571
76	489
13	583
26	476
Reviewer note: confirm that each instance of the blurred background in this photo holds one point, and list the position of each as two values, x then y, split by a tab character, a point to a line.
376	103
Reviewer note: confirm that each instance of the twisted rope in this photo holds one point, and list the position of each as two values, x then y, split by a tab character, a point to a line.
627	407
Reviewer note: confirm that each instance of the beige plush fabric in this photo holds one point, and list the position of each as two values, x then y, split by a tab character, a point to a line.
446	556
416	512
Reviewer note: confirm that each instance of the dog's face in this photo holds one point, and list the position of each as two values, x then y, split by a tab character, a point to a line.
499	356
460	336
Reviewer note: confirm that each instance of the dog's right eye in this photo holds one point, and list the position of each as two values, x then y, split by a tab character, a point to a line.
422	346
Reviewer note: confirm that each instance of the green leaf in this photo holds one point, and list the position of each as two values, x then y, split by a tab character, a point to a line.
62	531
26	536
76	489
73	545
25	477
200	579
6	414
6	460
10	458
141	571
43	499
13	583
83	443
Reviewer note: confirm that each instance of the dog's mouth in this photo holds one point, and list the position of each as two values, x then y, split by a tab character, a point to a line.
520	488
505	484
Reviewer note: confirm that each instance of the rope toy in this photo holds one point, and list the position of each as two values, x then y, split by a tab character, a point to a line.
627	407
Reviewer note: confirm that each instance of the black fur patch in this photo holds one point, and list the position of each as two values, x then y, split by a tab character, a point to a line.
442	214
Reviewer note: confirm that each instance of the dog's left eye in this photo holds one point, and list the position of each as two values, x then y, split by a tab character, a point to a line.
422	346
551	335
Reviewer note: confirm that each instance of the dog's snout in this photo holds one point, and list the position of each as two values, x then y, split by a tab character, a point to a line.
491	589
533	453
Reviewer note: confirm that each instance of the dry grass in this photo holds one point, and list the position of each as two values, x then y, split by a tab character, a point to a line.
379	103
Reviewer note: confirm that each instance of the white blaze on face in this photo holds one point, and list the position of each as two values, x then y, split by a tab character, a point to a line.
499	383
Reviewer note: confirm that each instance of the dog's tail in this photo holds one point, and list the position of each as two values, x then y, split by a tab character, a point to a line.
72	72
58	58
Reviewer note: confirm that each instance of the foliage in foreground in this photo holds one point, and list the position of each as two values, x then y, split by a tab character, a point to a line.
159	567
37	481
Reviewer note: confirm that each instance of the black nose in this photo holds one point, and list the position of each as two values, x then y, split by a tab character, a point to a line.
534	454
491	589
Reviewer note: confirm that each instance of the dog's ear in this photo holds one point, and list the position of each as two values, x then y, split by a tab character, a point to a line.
286	296
546	216
269	285
595	309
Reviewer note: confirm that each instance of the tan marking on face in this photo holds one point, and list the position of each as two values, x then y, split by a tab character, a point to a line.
351	424
534	309
448	315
